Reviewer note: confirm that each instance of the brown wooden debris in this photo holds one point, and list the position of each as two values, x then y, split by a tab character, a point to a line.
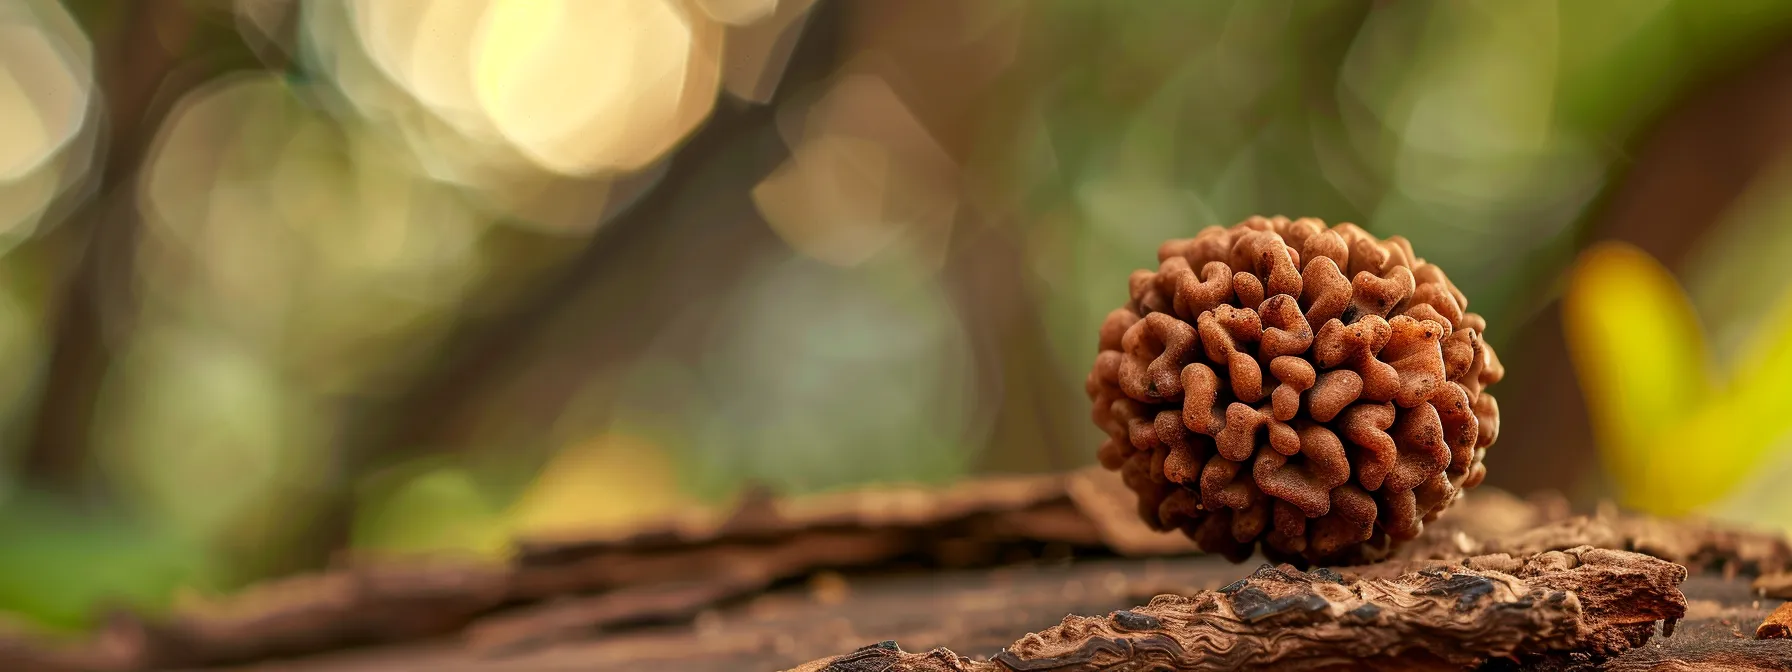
1733	655
586	615
1584	600
1777	585
572	588
1496	522
666	570
1623	594
1705	544
1115	512
886	656
22	648
1778	624
974	612
365	605
759	516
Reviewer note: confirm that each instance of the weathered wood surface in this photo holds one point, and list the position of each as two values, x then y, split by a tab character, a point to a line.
977	613
775	584
1548	608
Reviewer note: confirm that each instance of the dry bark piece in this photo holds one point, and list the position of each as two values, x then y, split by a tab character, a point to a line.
1778	624
23	647
1627	602
963	524
1312	390
1703	544
1112	508
304	614
1491	521
685	563
760	516
1587	601
585	615
1777	585
1691	543
1726	655
886	656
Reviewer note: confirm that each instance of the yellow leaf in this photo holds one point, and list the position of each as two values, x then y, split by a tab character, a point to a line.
1694	462
1642	363
608	483
1764	366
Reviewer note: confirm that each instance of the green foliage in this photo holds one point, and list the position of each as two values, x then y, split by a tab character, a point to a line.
429	507
59	568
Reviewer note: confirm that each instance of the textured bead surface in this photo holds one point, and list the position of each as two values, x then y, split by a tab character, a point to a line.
1312	389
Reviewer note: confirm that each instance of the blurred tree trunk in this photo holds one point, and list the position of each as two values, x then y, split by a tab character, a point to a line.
139	49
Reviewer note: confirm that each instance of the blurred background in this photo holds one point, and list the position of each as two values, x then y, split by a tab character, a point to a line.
281	279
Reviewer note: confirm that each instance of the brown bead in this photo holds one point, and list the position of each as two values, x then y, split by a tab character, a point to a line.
1312	389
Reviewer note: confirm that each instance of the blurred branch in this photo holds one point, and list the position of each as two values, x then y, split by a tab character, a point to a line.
136	73
484	352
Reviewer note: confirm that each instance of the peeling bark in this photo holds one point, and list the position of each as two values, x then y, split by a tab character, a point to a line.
1496	522
1587	601
1778	624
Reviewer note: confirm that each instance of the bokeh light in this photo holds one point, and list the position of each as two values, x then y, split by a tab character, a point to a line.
578	87
864	176
739	12
649	74
46	87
